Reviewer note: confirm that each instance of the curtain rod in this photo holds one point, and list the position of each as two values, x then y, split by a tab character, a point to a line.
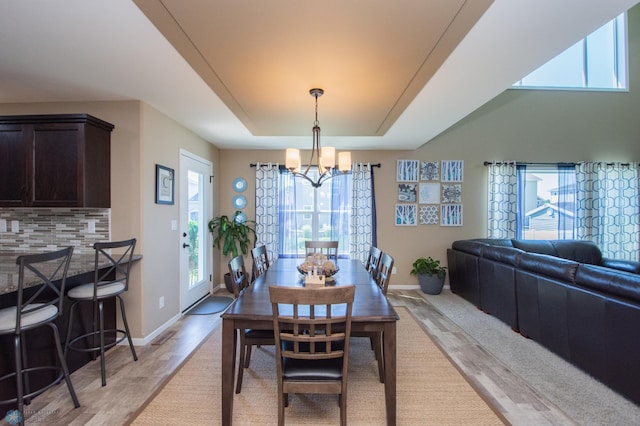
283	167
486	163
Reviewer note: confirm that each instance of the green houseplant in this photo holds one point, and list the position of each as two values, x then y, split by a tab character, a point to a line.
430	274
232	236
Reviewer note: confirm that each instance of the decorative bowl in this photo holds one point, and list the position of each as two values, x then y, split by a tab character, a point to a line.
331	273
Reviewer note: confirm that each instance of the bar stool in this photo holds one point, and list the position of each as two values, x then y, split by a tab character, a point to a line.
111	279
36	308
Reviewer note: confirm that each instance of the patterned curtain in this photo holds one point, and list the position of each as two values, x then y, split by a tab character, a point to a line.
608	206
363	211
503	200
267	209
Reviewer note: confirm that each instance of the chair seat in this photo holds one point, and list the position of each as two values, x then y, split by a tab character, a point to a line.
8	317
85	291
325	369
258	334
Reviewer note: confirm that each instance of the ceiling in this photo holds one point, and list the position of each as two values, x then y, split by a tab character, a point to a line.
238	73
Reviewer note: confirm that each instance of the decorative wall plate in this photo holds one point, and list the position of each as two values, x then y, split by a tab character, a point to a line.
241	218
239	201
239	184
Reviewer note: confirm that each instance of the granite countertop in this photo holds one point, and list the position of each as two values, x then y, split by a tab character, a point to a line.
80	264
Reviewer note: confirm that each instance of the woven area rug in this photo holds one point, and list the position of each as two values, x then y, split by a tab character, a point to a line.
430	390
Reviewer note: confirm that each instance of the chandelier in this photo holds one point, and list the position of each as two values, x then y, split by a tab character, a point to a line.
325	157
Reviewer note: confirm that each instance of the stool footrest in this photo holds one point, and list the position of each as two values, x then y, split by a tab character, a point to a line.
38	391
109	345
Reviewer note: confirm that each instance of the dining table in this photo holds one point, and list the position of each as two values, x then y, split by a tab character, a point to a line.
371	312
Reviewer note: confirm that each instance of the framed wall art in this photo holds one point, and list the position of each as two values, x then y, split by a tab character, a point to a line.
164	185
407	170
406	214
451	215
452	171
408	192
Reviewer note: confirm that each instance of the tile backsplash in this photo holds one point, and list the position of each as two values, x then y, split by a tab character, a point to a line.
29	230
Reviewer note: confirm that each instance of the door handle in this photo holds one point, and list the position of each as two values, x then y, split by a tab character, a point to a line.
185	245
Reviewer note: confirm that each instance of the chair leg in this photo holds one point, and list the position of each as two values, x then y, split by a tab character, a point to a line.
343	409
26	387
63	364
379	356
126	329
19	384
102	362
69	327
247	358
241	362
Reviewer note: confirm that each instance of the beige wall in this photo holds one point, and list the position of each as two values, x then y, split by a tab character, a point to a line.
142	138
520	125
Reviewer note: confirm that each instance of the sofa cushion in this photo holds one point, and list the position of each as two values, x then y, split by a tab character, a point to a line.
622	265
549	266
625	285
507	255
536	246
578	250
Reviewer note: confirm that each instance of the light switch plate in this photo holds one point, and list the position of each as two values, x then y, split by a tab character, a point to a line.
15	226
3	225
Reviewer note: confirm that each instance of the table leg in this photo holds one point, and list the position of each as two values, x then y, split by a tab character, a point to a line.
389	354
229	338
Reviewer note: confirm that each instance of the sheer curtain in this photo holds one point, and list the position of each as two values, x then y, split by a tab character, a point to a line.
566	201
363	211
503	200
341	201
267	207
607	207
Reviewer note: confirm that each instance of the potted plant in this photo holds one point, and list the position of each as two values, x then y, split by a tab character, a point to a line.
430	274
232	236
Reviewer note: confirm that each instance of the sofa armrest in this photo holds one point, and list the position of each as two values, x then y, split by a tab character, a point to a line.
622	265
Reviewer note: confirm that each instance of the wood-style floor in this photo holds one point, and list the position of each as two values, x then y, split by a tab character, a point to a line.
130	384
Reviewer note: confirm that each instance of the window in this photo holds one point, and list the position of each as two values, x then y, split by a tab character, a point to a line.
546	202
319	214
598	61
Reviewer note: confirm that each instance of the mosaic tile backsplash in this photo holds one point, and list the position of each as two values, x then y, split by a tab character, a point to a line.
43	229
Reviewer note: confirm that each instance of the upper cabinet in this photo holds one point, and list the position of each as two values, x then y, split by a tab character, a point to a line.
55	161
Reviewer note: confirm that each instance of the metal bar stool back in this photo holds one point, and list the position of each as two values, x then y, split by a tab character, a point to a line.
111	279
41	282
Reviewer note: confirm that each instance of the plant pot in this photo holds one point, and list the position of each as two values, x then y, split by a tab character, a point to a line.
228	282
431	284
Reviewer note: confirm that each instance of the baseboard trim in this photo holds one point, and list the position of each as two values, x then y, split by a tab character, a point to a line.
148	339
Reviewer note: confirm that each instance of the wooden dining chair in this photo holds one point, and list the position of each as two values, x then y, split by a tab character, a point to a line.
248	337
373	261
260	260
382	278
328	248
312	327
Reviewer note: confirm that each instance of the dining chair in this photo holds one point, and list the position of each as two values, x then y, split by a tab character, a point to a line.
38	304
248	337
382	279
373	260
112	265
260	260
312	327
328	248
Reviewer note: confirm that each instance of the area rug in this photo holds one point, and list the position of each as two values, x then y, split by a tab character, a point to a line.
211	305
430	390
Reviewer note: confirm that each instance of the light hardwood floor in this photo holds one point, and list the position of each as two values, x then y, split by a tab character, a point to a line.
130	384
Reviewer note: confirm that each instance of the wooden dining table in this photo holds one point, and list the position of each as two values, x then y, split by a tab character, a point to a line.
252	310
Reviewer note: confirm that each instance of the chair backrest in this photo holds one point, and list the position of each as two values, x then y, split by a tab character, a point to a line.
328	248
384	272
373	261
312	323
49	271
239	277
113	263
260	260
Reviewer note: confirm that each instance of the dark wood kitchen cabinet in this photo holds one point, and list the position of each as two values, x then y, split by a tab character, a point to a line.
55	161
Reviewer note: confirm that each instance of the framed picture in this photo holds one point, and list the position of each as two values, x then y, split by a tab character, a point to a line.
406	214
453	171
407	170
407	192
429	193
164	185
451	215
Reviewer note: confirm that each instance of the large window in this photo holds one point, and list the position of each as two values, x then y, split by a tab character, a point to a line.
321	214
598	61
